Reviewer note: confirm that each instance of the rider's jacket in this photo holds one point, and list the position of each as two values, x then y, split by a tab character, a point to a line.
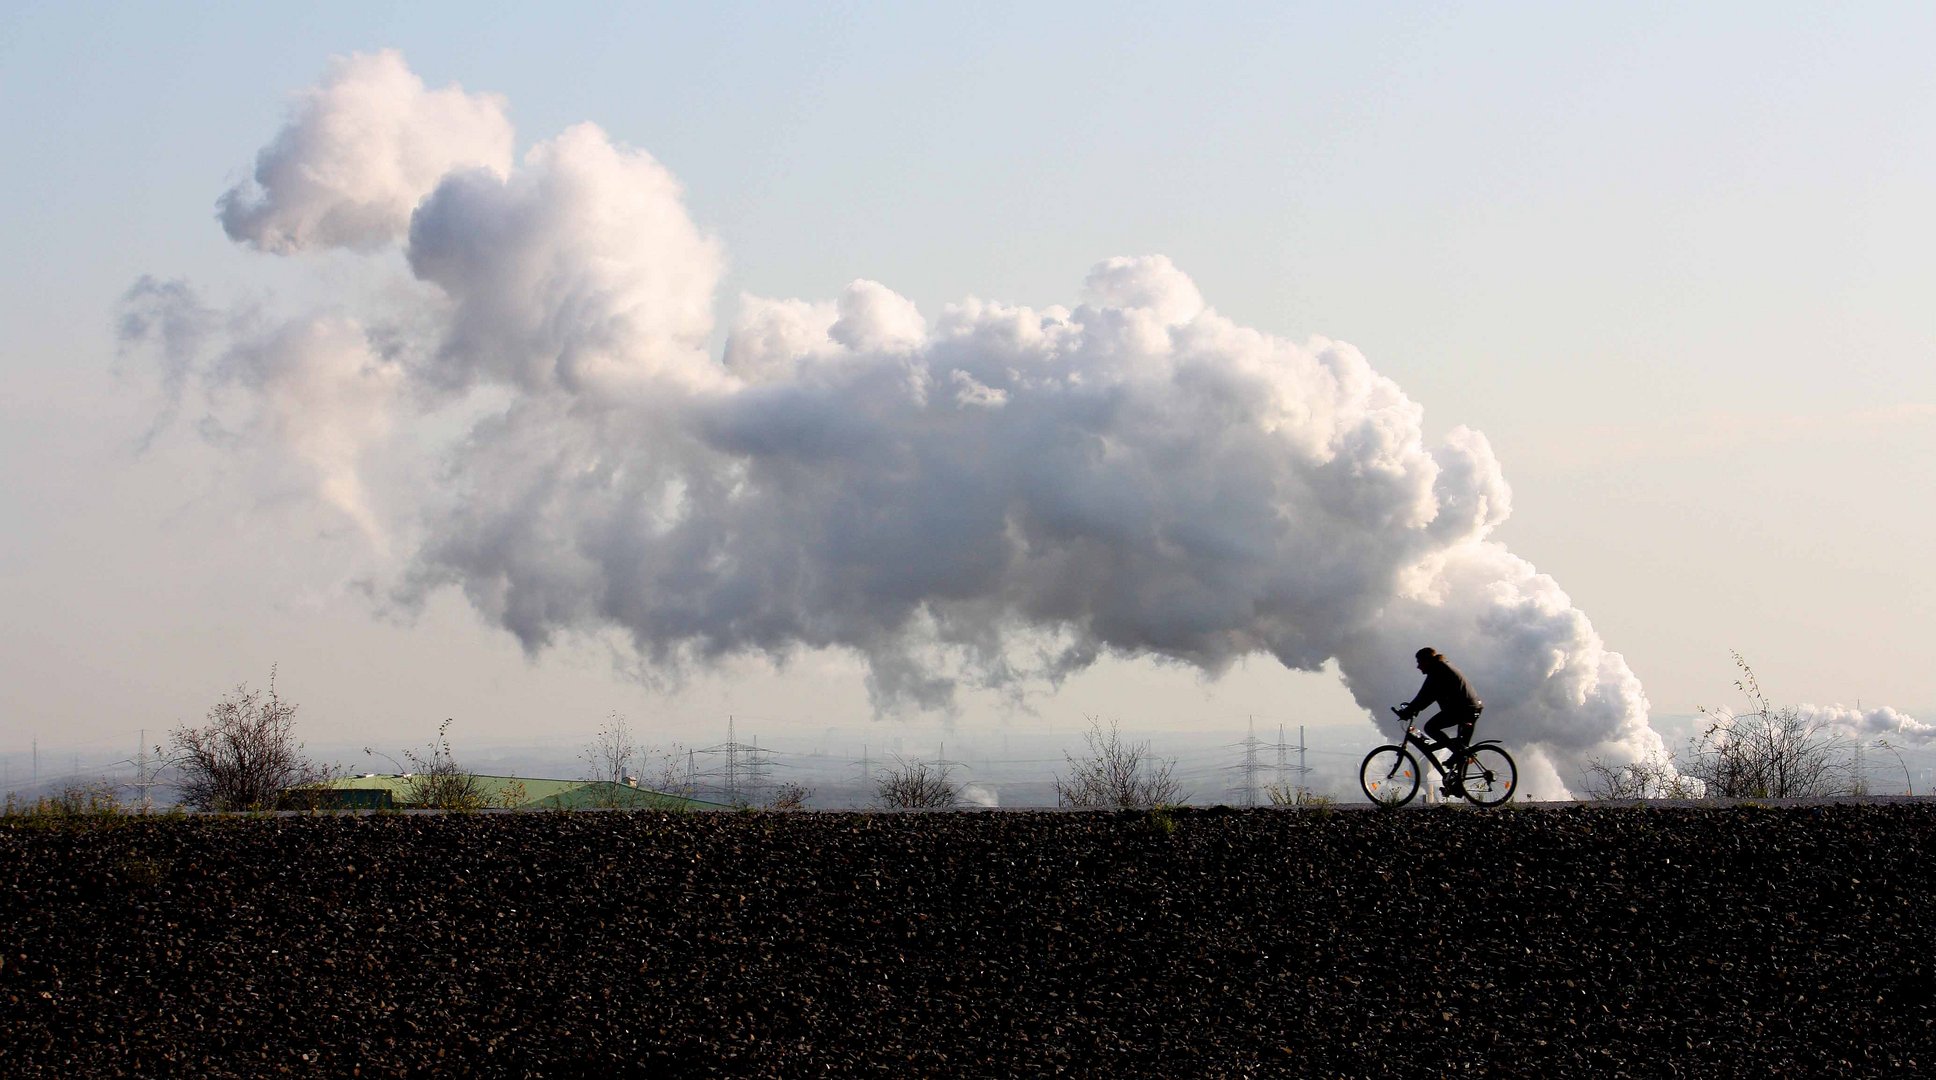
1444	685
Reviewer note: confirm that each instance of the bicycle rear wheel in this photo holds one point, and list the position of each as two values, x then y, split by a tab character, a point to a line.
1489	776
1389	776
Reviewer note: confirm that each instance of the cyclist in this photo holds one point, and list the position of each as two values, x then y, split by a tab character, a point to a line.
1458	705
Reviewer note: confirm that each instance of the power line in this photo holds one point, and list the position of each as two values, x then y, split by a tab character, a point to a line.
742	777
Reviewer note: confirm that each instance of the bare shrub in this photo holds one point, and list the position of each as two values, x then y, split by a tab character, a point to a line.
1289	795
99	798
668	770
1117	775
510	795
917	785
437	782
614	756
246	756
1769	752
1655	777
611	756
790	797
1908	783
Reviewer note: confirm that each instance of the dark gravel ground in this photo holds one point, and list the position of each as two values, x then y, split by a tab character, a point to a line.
1549	941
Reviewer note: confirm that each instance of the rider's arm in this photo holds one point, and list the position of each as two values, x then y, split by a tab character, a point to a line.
1417	705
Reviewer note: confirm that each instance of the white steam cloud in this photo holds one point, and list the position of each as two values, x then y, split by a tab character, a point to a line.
363	149
999	496
1852	722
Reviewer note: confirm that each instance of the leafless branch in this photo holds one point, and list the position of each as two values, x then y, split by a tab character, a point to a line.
1117	775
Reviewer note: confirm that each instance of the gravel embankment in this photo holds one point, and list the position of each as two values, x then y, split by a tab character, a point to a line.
1562	941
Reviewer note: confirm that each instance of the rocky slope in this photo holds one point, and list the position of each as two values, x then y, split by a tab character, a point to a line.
1562	941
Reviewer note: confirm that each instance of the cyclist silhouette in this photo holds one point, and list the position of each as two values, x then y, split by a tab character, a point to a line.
1458	705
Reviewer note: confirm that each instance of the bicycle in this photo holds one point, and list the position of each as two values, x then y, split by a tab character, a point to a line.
1486	775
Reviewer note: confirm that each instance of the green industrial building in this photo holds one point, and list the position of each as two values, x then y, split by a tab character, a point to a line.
376	791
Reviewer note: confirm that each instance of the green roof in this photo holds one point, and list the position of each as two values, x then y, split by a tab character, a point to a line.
531	793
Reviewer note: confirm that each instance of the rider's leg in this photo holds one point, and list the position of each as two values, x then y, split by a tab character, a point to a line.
1468	723
1452	730
1435	730
1460	723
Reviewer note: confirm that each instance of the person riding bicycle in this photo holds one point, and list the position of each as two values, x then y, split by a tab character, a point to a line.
1458	705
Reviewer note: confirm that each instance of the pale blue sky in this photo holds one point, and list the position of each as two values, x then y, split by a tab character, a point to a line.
1674	260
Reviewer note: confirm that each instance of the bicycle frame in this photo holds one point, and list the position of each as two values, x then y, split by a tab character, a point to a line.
1486	761
1415	738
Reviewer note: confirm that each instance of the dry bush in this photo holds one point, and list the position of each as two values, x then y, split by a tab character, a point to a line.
1769	752
917	785
99	798
439	783
789	797
246	756
510	795
1655	777
611	755
1117	775
666	770
1908	782
615	757
610	758
1290	795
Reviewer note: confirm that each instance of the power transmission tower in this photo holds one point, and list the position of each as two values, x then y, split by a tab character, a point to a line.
1284	767
742	777
1281	771
1249	766
144	778
1279	779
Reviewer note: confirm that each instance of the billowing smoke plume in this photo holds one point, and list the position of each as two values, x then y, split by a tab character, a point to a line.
1851	722
994	497
363	148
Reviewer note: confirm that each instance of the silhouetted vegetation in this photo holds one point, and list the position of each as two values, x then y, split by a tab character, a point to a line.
1769	751
917	785
1117	775
100	798
1763	752
789	797
439	783
615	757
246	756
1295	796
1655	777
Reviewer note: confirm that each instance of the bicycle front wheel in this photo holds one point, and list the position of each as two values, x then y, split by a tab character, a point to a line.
1489	776
1389	776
